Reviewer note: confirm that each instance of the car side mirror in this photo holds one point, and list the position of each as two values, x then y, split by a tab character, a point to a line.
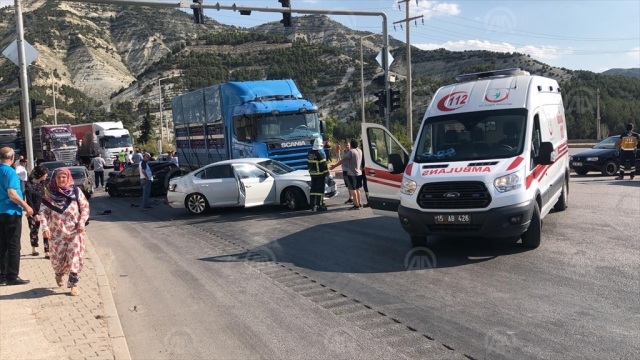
266	175
546	154
323	126
396	165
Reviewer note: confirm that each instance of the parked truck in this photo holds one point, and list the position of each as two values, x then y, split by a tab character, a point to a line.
54	143
250	119
106	138
11	138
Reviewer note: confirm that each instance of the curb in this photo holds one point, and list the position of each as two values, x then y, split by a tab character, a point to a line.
116	334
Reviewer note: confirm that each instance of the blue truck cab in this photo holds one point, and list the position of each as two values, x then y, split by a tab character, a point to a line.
248	119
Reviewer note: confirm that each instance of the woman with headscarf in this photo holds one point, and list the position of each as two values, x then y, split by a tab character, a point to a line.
34	191
63	216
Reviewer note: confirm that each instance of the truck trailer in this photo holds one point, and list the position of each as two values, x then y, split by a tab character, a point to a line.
106	138
54	143
249	119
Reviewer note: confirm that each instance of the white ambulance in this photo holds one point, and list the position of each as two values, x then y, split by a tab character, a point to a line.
490	160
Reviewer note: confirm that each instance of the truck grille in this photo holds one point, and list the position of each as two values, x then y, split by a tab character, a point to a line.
67	156
454	195
296	158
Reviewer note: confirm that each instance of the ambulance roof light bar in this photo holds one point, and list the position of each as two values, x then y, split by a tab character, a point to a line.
486	74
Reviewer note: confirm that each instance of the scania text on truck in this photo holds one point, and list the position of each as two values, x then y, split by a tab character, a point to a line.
250	119
106	138
490	160
55	143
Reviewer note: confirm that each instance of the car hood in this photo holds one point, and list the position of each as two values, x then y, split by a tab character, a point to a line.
593	152
302	175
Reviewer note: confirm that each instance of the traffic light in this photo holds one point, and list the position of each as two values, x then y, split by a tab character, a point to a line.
35	111
381	102
198	14
395	99
286	17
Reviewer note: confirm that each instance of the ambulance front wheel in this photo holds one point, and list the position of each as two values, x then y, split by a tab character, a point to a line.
531	237
418	240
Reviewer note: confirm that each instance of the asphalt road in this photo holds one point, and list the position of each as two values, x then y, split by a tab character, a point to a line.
270	283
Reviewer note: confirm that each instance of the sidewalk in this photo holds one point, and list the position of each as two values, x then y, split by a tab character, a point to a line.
41	321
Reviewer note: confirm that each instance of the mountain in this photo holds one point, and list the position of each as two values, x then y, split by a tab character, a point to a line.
107	59
633	72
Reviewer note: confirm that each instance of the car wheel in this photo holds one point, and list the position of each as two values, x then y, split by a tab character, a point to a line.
563	200
112	191
197	204
418	240
531	238
610	168
581	172
294	198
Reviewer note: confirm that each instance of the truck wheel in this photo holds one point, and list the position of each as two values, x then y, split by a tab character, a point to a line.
418	240
197	204
581	172
610	168
563	200
294	198
531	238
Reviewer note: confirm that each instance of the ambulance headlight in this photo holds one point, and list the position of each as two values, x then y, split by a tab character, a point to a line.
408	186
509	182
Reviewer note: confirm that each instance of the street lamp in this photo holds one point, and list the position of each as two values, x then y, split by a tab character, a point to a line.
162	130
53	94
362	73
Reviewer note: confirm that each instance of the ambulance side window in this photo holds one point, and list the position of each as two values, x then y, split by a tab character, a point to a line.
381	145
535	142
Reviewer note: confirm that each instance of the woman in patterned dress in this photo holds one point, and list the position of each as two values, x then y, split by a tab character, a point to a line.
63	216
34	191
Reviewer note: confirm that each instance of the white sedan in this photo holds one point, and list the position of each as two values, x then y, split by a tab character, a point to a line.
243	182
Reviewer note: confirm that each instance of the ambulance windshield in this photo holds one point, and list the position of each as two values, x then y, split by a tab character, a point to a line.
476	135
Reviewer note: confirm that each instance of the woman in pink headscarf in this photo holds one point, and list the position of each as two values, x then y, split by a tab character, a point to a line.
63	216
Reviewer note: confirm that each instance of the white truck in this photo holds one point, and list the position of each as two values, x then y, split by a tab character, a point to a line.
106	138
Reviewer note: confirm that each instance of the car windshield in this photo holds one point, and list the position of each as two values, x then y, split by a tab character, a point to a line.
608	143
53	165
476	135
77	173
276	167
287	127
111	142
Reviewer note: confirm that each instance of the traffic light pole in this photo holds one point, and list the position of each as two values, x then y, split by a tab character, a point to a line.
26	119
282	10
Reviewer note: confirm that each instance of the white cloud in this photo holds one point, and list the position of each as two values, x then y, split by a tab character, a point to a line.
430	8
540	52
310	1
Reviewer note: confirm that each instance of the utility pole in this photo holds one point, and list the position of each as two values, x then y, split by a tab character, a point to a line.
26	119
598	135
53	95
160	101
407	20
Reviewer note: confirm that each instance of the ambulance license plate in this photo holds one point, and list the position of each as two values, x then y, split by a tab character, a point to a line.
577	164
452	219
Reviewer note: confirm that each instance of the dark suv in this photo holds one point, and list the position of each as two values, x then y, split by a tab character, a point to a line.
127	181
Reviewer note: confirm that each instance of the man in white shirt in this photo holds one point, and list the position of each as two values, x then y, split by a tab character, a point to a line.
173	157
129	156
22	172
146	179
98	165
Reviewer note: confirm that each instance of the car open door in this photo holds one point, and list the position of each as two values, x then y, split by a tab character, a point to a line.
257	187
380	150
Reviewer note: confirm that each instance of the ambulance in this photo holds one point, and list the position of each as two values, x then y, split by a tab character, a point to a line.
490	160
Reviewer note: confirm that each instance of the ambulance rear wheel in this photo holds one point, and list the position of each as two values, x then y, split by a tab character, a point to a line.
418	240
531	238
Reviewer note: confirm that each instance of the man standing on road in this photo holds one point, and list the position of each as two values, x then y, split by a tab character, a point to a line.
11	206
317	165
629	144
146	178
122	155
98	165
354	172
128	155
22	173
137	157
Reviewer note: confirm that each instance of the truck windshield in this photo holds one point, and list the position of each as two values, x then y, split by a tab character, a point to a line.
287	126
476	135
111	142
11	145
62	142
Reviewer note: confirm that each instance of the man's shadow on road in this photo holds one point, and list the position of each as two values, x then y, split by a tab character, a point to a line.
36	293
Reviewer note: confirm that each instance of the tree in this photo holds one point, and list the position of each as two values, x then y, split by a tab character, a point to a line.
146	128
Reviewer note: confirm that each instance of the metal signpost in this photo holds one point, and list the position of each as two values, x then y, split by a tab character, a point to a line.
283	10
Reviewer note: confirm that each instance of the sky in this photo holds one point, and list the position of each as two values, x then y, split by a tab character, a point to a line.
577	34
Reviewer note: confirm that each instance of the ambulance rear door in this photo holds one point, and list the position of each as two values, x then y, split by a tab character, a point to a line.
379	147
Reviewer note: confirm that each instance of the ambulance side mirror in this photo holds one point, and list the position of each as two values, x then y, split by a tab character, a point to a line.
396	165
546	154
